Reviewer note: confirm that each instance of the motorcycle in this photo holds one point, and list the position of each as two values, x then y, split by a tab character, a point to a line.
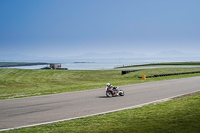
112	92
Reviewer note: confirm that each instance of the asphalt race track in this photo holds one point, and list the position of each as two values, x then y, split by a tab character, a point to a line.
22	112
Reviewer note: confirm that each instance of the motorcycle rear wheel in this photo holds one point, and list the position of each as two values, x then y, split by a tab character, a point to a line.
121	92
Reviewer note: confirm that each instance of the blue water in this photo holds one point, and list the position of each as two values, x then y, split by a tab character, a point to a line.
100	64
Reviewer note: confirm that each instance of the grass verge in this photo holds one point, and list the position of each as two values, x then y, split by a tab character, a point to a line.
16	83
181	115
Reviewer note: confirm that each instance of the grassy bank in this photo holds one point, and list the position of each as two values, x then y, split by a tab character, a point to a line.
15	83
165	64
181	115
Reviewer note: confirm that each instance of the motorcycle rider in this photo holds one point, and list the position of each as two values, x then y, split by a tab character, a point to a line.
108	85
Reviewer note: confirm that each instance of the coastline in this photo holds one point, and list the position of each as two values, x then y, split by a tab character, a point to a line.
16	64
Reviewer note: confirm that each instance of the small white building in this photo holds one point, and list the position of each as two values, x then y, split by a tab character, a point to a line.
55	65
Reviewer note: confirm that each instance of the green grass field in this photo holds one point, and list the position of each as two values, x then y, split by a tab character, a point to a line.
16	83
181	115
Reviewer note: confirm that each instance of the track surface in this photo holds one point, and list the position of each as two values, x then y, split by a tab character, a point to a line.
40	109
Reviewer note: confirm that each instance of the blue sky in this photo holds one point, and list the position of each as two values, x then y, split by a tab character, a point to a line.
74	27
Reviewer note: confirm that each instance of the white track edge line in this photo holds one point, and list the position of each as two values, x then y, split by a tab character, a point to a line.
131	107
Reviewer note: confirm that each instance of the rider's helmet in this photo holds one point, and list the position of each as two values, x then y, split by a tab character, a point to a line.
108	84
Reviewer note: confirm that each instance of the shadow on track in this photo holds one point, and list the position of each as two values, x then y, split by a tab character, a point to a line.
103	97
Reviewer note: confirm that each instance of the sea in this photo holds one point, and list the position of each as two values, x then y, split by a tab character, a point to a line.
102	64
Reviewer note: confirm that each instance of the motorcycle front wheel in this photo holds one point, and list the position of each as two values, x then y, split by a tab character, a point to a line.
108	94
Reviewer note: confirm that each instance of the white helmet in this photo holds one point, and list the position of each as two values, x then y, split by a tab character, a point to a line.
108	84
